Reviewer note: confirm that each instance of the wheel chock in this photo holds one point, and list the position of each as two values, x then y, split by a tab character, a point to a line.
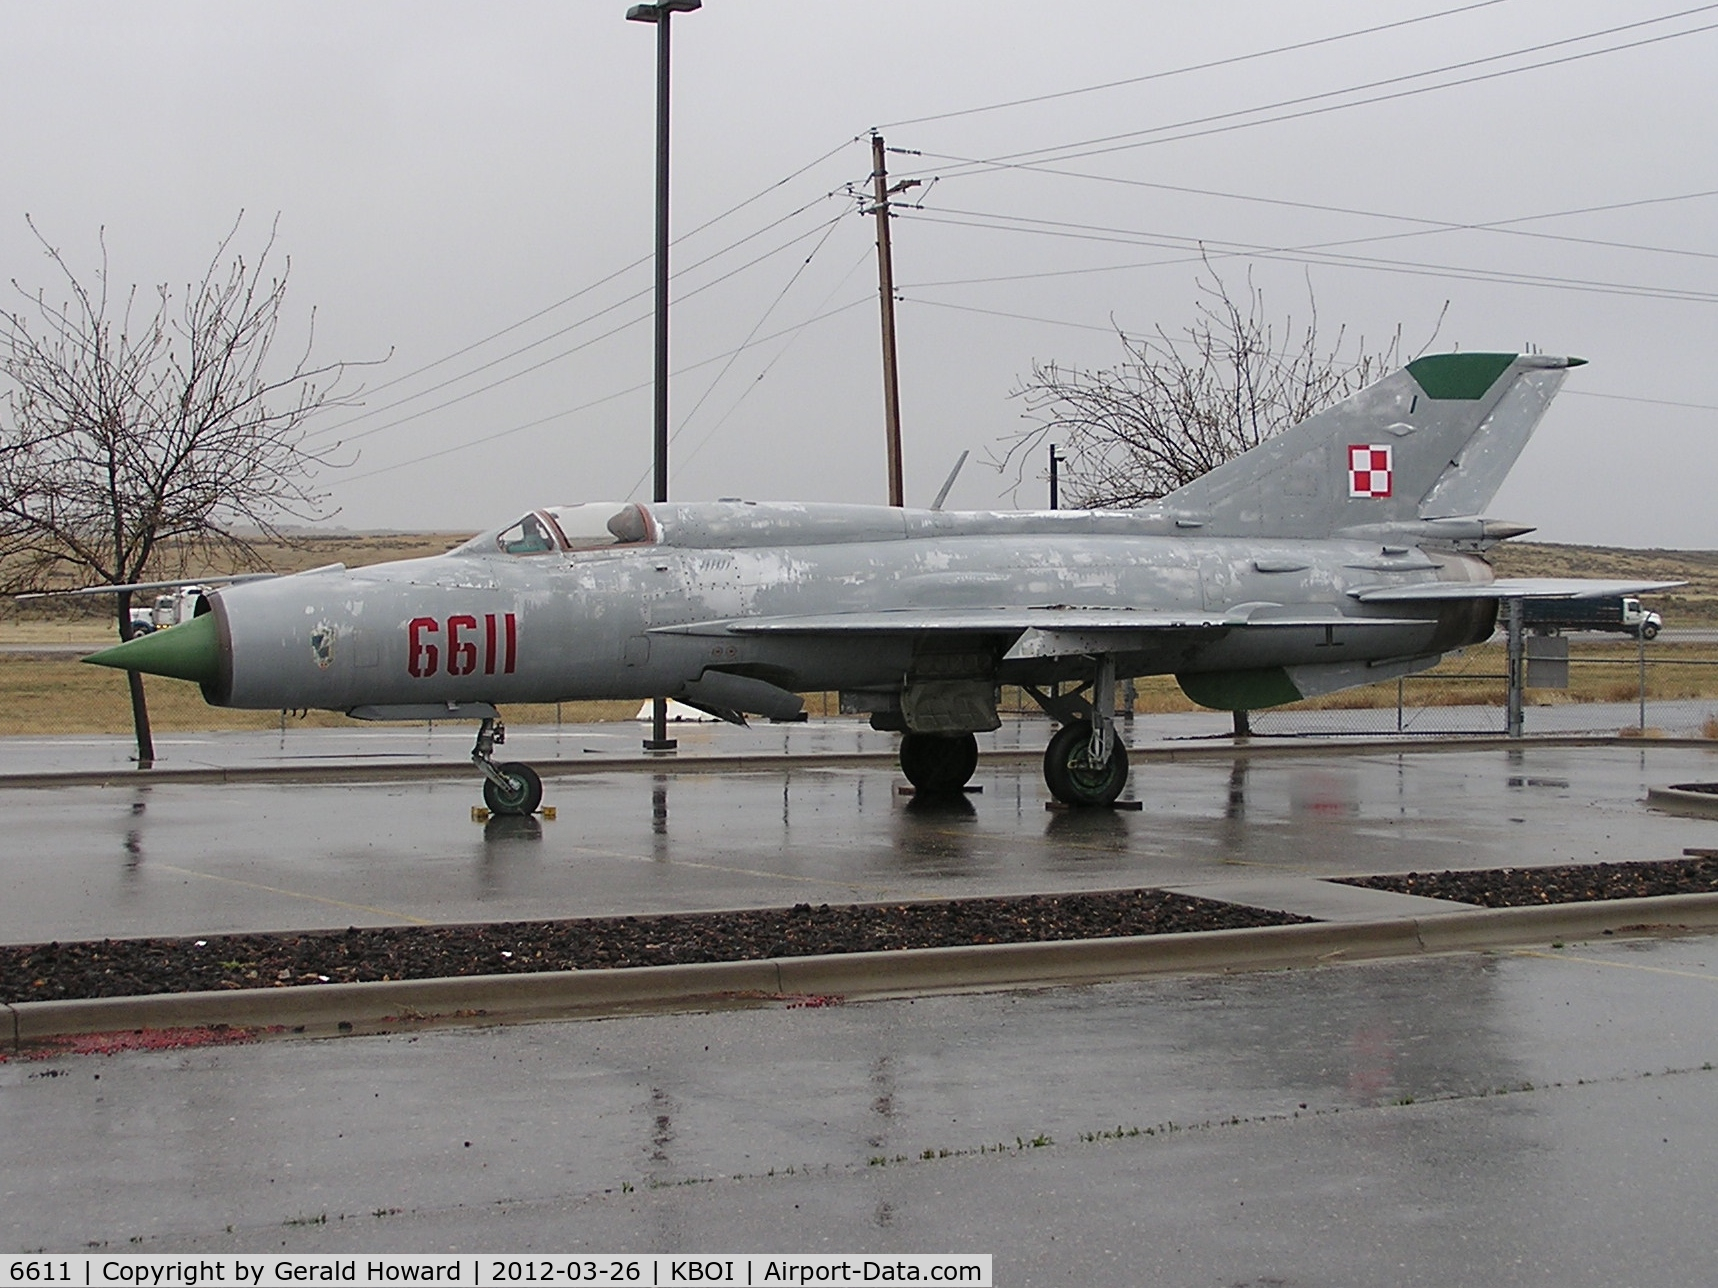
548	812
479	814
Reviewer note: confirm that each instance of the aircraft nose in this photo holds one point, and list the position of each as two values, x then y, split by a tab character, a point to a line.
188	651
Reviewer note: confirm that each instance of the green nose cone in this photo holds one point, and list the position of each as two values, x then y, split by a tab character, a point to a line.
189	651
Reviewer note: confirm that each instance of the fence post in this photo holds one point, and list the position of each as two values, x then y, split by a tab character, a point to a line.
1513	697
1640	641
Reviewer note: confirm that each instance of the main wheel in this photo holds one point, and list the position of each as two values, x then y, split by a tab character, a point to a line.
939	763
522	795
1073	777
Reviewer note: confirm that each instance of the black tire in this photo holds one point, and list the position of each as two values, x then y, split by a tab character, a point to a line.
134	629
939	764
1070	776
522	795
1649	632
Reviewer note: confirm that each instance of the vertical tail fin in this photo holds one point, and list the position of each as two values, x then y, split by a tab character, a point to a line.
1433	440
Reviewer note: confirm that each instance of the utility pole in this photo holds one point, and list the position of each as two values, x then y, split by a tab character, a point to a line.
880	194
1055	490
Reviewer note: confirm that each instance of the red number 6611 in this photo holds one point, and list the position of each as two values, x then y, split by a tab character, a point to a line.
492	642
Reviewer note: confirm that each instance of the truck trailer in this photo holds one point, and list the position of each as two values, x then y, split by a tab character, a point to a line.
1621	614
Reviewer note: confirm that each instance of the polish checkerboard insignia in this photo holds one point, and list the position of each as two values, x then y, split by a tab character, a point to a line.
1369	470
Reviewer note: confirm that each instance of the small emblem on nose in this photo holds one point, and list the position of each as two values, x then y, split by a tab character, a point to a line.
322	645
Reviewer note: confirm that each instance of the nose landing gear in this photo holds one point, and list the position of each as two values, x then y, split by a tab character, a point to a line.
509	788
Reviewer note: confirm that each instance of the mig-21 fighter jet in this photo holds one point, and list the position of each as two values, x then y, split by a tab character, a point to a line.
1347	550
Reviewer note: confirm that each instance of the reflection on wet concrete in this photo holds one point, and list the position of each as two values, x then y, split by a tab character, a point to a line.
1081	837
280	857
1324	793
933	836
503	829
1236	809
659	804
132	846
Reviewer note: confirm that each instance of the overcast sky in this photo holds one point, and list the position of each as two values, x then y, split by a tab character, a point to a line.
466	191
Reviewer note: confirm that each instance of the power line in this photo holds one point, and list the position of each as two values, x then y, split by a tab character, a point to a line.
1106	144
619	272
1654	402
1192	67
1134	237
595	402
565	353
1130	236
1316	254
762	318
1014	317
1430	226
769	366
569	328
1116	330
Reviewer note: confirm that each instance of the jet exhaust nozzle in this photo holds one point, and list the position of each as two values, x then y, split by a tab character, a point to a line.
188	651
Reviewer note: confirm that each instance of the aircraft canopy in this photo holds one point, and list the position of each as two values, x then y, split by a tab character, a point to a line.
588	526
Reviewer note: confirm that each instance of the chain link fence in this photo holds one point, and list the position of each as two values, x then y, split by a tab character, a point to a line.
1664	687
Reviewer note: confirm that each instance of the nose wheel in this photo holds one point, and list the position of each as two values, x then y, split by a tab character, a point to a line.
516	789
509	788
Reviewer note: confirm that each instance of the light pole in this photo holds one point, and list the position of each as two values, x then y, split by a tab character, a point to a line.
659	14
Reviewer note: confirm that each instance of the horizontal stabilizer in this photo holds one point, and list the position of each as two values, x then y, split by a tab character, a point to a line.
1511	588
231	579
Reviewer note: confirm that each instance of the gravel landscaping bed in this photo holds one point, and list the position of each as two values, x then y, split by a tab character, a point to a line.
131	967
1568	883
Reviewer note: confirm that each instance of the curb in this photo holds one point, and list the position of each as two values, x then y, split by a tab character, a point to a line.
721	764
1679	800
493	999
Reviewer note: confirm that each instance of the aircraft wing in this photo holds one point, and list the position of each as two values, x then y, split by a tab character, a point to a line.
1510	588
1044	632
996	621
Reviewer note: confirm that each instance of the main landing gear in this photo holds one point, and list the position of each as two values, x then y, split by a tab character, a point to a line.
510	788
1085	763
939	764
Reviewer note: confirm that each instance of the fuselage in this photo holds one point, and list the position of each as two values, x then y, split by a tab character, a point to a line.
508	618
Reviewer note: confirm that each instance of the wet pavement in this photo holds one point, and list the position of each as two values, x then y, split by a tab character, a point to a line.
1516	1118
1522	1118
181	859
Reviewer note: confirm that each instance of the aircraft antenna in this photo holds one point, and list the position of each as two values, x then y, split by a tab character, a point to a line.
949	482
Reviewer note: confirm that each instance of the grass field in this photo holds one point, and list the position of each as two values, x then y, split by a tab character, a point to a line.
57	694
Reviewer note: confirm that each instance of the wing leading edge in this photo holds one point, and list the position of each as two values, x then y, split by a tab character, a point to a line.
1510	588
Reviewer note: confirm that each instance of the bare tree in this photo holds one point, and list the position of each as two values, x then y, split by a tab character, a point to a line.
144	432
1176	407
